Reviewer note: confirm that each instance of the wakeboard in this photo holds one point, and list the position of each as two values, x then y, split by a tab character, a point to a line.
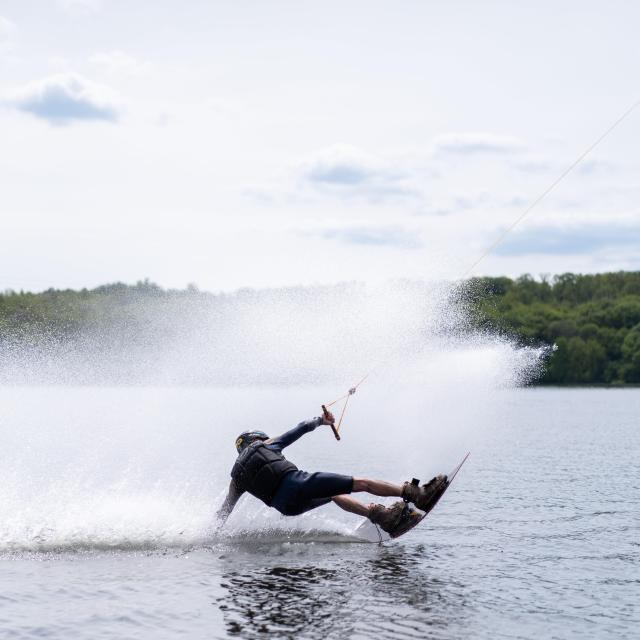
369	532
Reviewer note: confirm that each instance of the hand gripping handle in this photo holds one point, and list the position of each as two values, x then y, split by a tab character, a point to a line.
333	426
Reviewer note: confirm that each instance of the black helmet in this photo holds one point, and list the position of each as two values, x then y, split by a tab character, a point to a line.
247	437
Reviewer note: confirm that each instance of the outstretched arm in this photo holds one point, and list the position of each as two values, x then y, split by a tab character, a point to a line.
229	503
293	434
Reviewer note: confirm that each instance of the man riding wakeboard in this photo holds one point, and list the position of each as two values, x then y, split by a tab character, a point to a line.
265	473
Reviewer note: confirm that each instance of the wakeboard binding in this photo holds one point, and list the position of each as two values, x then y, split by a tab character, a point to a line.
425	497
396	519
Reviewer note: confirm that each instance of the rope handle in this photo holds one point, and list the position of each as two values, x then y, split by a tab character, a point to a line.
325	413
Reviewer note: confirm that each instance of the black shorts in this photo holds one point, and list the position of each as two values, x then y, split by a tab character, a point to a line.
300	491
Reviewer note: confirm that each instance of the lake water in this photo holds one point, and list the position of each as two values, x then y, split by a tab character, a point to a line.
107	498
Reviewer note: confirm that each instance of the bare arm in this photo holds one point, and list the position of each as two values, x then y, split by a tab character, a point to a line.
229	503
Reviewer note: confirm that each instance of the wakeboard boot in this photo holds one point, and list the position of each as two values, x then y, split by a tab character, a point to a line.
425	497
396	519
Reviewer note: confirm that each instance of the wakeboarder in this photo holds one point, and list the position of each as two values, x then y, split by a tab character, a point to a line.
262	470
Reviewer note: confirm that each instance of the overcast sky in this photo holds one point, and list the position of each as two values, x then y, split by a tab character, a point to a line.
265	143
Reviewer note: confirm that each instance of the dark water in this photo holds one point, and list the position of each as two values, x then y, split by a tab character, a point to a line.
538	538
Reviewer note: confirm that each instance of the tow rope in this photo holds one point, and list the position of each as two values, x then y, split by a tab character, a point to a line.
345	397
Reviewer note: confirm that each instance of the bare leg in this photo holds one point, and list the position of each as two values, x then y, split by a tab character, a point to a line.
377	487
352	505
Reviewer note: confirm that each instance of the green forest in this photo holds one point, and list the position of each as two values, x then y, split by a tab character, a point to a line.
593	320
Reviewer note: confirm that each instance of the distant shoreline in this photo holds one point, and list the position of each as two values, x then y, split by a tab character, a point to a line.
592	323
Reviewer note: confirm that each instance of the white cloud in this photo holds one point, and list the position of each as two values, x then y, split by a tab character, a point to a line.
347	171
374	236
592	166
118	62
465	202
341	165
65	98
477	143
588	167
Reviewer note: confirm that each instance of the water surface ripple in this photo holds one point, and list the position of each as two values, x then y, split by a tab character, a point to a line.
539	539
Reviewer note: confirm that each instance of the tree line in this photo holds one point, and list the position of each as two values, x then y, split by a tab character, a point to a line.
593	321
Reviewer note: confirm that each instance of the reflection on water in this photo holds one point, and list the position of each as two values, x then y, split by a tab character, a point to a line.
382	592
283	601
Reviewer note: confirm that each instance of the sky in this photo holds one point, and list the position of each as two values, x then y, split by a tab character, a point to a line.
266	144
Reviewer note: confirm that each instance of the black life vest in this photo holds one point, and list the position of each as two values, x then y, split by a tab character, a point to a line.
260	470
